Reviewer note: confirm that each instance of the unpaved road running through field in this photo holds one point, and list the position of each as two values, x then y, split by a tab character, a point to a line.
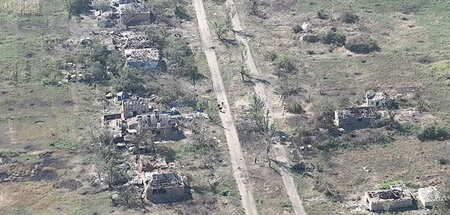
234	146
273	105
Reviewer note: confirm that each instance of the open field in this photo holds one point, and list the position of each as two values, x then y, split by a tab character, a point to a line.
306	56
46	126
412	45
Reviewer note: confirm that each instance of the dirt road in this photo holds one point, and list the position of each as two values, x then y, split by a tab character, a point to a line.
237	158
273	105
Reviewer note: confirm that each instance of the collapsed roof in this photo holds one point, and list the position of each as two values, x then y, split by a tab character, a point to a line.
142	55
166	180
357	112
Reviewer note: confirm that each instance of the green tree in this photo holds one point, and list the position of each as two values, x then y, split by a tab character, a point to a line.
285	64
335	38
221	29
130	80
95	73
180	58
434	132
78	7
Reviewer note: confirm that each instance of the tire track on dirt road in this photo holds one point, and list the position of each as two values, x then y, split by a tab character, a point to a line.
234	146
273	105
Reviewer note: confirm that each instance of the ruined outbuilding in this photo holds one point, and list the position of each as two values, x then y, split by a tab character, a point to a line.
355	117
147	58
131	40
133	107
428	196
378	99
397	197
160	123
135	13
165	188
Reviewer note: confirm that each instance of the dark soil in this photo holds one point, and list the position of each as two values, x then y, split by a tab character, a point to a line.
44	175
426	60
71	184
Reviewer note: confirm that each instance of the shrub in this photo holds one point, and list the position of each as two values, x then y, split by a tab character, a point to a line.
330	144
434	132
297	29
335	38
388	185
156	35
350	18
78	7
270	56
362	45
321	15
285	64
102	5
130	80
180	58
311	38
294	106
181	12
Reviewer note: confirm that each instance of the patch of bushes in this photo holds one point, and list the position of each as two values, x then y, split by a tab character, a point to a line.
62	143
79	7
180	58
334	38
285	64
330	144
441	69
270	56
297	29
362	45
102	5
434	133
181	12
322	15
350	18
311	38
28	159
388	185
294	106
130	80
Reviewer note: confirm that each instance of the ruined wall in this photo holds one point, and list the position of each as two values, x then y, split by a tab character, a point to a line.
167	195
354	123
145	65
390	205
132	108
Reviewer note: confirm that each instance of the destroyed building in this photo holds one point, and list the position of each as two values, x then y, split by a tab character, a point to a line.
135	13
146	59
159	123
122	96
397	197
355	118
131	40
429	196
133	107
166	188
378	100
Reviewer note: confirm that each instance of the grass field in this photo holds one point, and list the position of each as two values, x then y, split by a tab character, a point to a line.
414	53
46	127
